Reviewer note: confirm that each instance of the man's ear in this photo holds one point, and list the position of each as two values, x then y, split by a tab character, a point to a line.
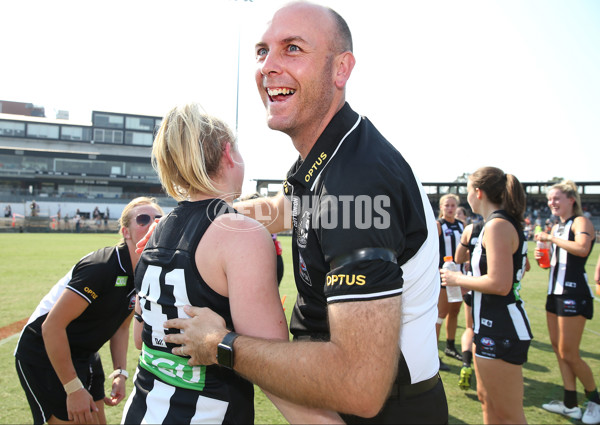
344	66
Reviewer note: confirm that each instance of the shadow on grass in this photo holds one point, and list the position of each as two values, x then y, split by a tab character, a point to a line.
534	367
595	356
542	346
539	392
455	420
547	347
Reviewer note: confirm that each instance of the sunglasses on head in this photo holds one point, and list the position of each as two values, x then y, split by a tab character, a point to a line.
145	219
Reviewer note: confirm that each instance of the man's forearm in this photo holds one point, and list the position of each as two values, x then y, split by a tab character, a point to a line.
349	374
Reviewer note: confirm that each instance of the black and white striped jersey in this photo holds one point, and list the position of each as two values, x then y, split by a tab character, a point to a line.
167	279
501	315
567	271
449	238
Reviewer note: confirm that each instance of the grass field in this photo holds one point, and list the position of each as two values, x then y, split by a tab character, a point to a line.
30	264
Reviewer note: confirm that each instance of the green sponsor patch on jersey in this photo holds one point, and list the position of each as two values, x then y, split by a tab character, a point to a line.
172	369
121	281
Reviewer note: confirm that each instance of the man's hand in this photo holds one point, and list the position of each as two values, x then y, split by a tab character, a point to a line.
118	391
142	243
202	332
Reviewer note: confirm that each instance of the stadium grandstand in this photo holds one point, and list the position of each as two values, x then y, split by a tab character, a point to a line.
54	172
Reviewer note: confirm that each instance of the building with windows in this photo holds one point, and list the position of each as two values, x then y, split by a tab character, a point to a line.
108	157
57	160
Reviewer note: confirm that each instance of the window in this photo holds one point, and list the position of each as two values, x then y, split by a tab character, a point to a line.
75	133
45	131
140	170
140	139
137	123
8	128
87	167
108	136
108	121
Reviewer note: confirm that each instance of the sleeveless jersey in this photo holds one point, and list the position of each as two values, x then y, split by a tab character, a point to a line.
449	238
167	279
567	271
475	232
501	315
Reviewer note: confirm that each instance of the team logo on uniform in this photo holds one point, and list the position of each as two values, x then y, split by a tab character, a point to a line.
487	322
570	303
303	228
121	281
303	270
287	188
488	342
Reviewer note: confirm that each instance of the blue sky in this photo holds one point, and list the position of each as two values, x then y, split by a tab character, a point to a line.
453	84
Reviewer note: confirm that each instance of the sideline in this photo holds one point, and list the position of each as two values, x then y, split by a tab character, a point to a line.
9	331
8	339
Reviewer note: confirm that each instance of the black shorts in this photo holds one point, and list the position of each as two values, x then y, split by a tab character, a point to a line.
45	392
570	305
468	298
512	351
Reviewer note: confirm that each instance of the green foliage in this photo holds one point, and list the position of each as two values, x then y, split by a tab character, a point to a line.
32	263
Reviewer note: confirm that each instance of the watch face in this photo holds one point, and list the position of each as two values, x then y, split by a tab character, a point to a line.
225	356
225	350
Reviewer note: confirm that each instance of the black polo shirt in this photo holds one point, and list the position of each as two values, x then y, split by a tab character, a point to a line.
104	278
358	215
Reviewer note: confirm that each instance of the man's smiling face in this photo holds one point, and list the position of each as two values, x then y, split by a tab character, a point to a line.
294	75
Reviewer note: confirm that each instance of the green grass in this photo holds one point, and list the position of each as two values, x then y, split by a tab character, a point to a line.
31	263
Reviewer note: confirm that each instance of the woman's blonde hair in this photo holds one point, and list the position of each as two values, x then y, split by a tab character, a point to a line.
125	219
569	188
445	198
187	151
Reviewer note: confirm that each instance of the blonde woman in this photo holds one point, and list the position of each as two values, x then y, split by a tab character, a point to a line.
500	324
57	354
449	232
204	254
570	300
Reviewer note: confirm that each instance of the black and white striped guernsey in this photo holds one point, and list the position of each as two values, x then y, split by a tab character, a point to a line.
501	315
449	238
167	389
567	271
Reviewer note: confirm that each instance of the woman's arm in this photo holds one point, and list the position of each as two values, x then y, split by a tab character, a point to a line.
500	240
462	250
239	259
275	212
118	353
69	306
584	236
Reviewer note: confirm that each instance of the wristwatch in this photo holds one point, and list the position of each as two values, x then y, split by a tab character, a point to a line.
225	350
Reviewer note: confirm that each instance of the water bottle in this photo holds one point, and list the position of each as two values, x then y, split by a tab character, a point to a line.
544	260
453	293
